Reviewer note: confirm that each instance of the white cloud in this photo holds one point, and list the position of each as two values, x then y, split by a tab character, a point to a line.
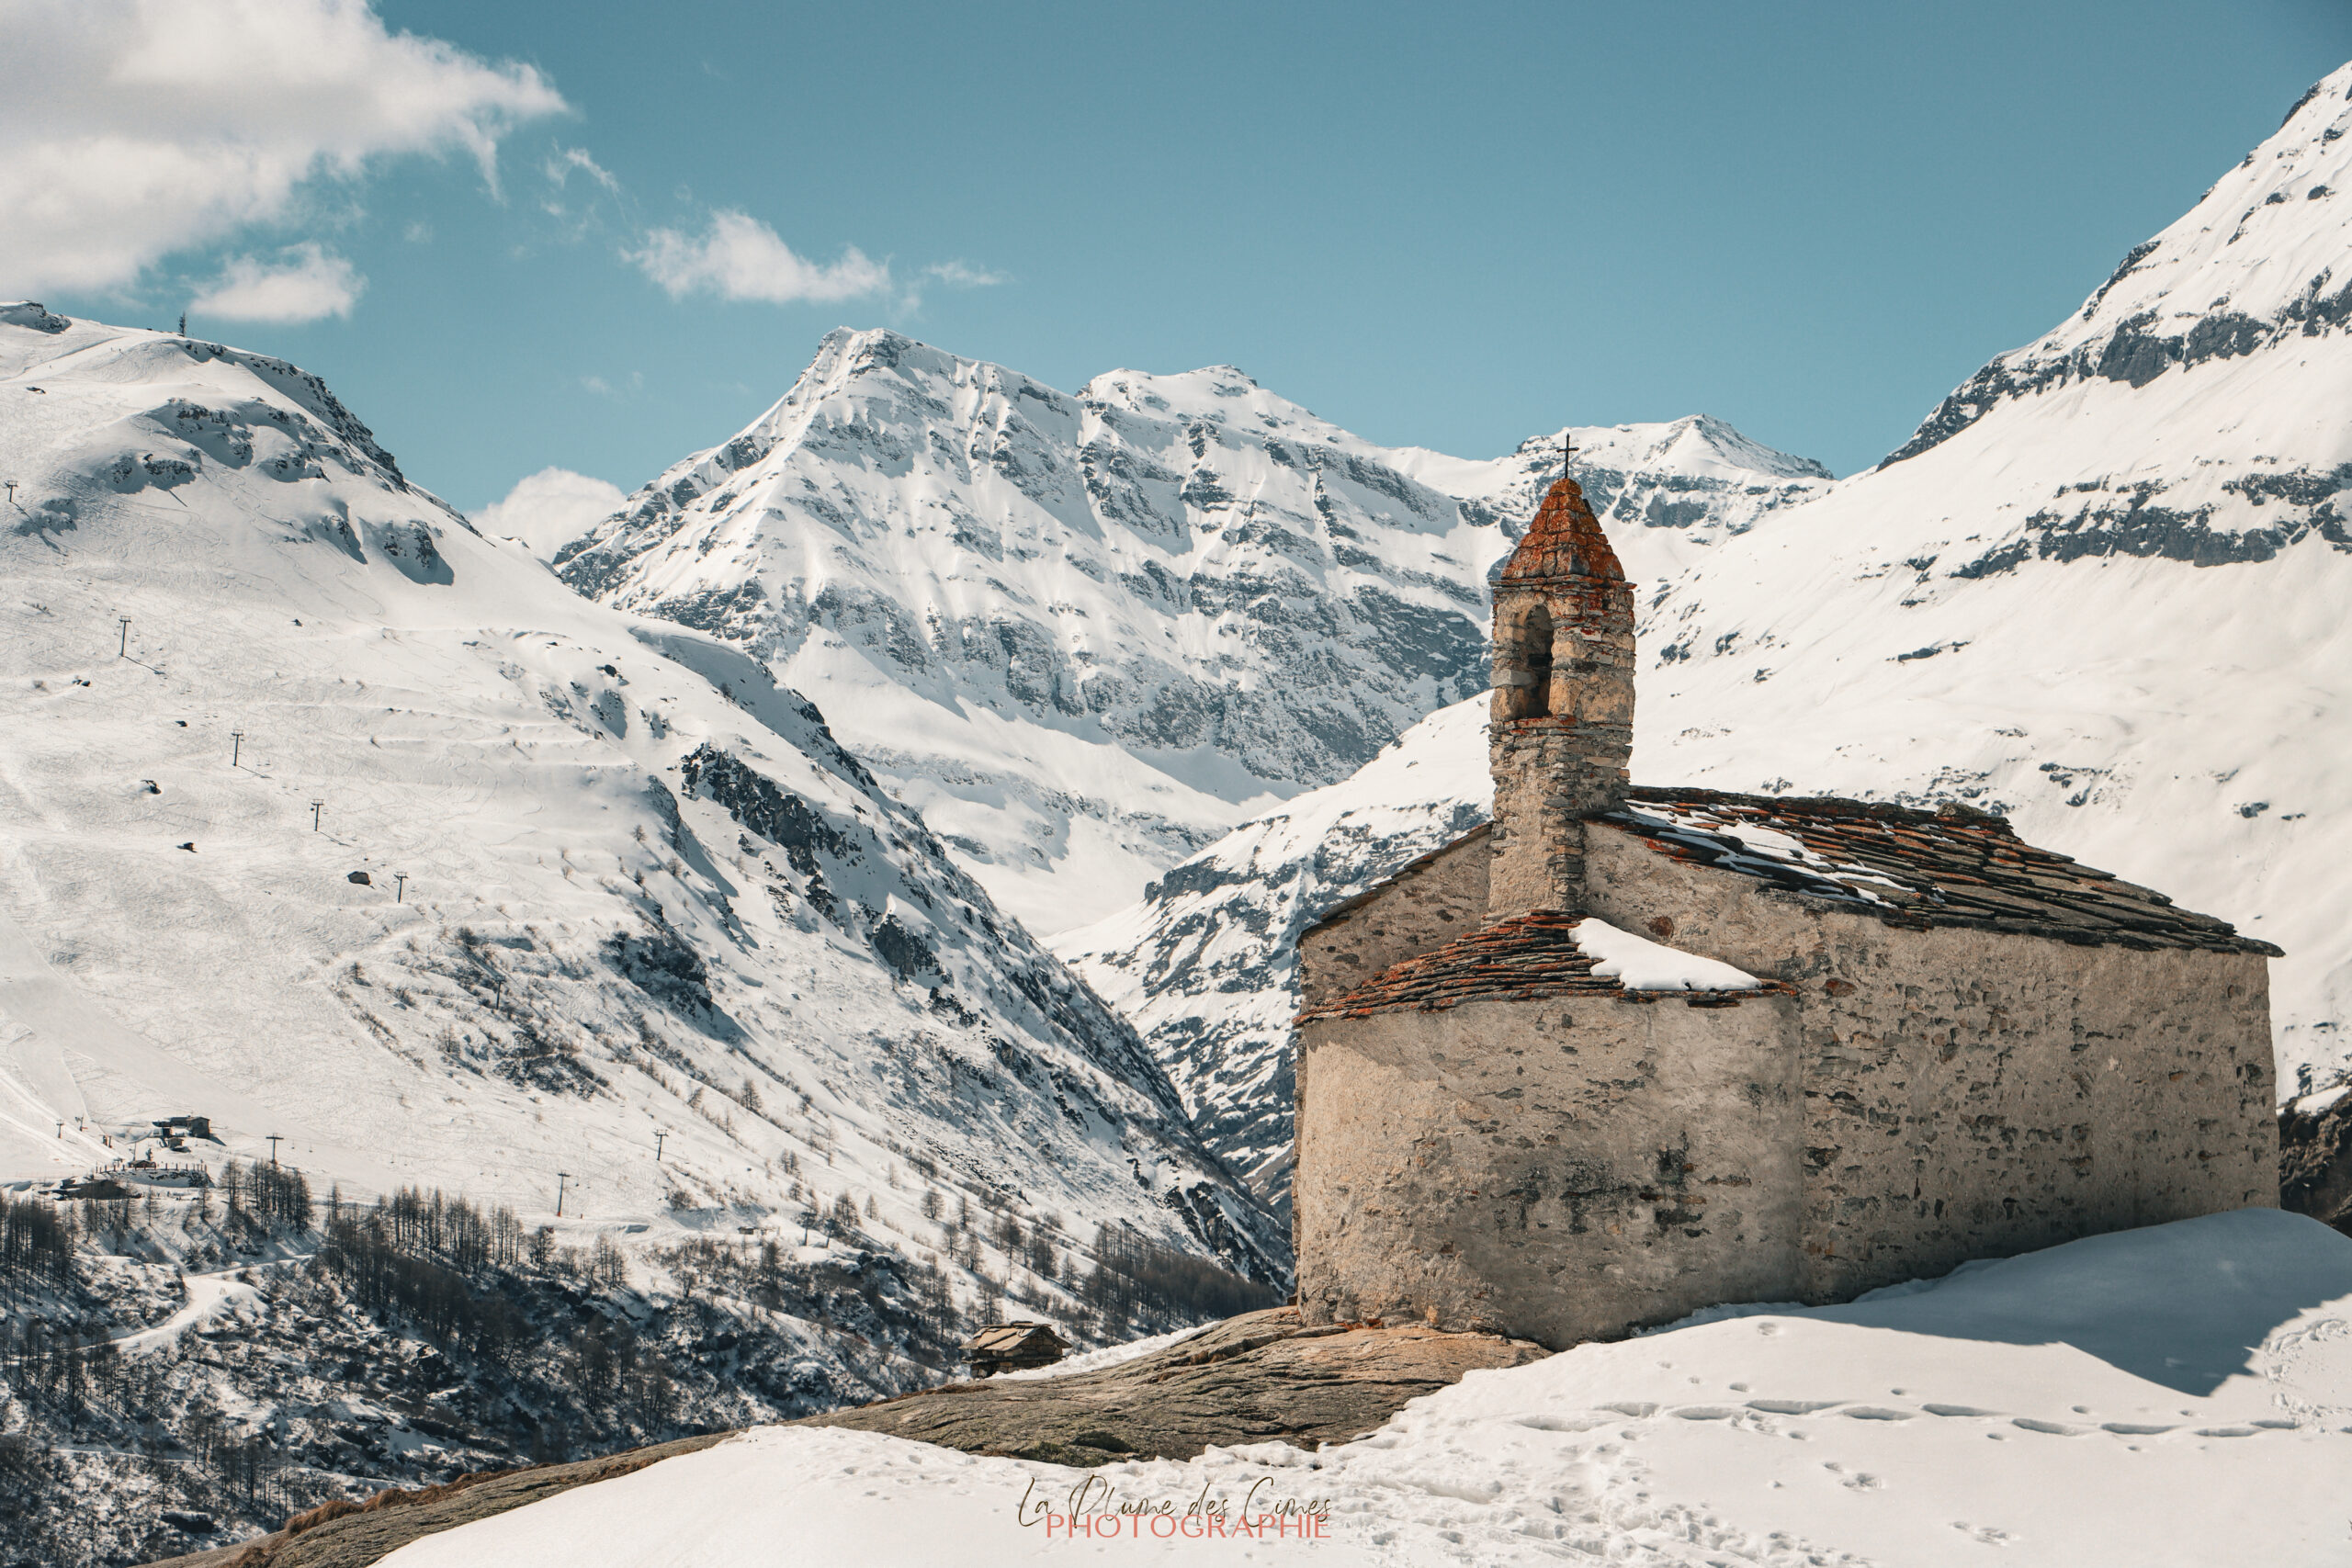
550	509
305	285
564	161
133	129
961	275
741	258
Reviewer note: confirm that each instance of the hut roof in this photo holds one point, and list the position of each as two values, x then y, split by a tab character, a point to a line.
1004	1338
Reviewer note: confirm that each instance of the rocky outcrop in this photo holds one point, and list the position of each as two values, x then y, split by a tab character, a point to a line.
2315	1159
1255	1378
1258	1378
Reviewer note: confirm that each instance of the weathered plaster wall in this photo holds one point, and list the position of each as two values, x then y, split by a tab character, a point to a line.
1437	897
1556	1169
1978	1094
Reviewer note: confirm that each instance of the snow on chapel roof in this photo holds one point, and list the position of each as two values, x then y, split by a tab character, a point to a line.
1545	952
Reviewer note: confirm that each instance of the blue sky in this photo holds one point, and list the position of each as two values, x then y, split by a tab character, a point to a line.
1444	226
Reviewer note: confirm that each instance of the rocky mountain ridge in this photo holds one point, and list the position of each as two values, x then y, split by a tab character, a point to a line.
1085	634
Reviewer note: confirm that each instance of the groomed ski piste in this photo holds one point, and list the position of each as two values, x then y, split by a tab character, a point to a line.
2175	1395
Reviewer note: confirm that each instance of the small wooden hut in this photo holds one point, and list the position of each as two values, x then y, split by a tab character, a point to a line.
1012	1346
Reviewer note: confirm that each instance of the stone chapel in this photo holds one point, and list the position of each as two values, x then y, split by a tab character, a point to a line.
1632	1050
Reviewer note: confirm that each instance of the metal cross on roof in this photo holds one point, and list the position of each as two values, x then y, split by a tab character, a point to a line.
1567	448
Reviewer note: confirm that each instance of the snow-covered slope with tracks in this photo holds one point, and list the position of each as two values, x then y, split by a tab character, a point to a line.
2174	1396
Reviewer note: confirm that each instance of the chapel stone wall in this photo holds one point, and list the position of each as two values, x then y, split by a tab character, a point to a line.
1972	1093
1437	897
1554	1170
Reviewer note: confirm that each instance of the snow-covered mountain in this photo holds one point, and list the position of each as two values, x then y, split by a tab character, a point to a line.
326	817
1086	635
2099	591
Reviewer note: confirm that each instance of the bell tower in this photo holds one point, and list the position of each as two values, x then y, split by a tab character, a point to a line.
1561	732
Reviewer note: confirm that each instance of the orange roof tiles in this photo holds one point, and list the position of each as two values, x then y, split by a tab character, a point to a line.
1564	540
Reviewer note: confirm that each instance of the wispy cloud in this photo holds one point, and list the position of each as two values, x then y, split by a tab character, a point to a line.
140	127
566	162
739	257
963	274
306	283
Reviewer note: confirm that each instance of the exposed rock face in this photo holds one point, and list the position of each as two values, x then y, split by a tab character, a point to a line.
2315	1159
1251	1378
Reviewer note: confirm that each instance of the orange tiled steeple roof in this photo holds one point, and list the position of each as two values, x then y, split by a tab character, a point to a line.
1564	540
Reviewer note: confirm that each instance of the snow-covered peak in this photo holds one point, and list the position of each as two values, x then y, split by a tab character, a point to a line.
1083	634
2257	264
2256	240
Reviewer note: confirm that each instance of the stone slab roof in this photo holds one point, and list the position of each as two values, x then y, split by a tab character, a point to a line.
1007	1339
1954	866
1526	956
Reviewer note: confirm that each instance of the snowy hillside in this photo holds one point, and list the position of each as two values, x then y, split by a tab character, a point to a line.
645	890
1084	636
2175	1395
2098	592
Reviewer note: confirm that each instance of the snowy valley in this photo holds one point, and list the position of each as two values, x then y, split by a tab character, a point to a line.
685	984
360	835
